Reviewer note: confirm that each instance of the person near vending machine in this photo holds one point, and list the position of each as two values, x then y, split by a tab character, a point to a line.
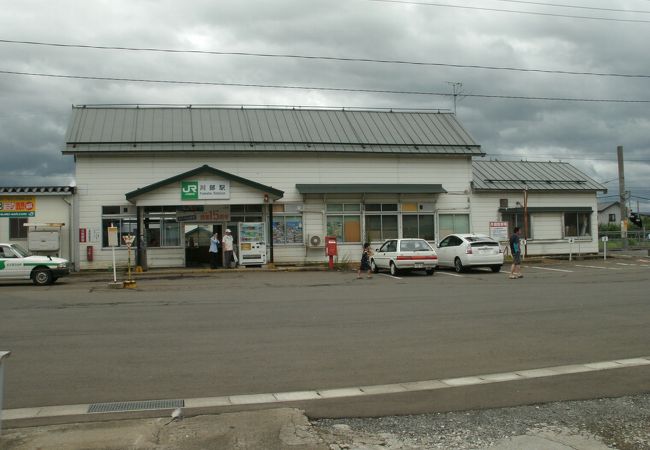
214	250
228	245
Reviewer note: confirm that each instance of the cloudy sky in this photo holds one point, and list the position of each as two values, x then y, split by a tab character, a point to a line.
603	43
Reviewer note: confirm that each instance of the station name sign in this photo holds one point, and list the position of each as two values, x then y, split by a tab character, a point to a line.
21	206
205	190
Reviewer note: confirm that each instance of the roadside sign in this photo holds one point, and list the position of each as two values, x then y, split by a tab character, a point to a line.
112	237
604	238
572	240
499	231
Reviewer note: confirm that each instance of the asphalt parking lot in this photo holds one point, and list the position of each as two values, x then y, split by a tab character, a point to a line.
248	332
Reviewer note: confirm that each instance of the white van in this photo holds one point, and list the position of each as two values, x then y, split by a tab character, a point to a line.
16	263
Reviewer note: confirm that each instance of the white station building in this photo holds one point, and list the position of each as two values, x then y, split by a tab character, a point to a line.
284	179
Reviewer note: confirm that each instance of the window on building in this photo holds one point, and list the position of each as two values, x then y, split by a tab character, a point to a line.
344	221
161	227
120	217
287	224
612	218
517	220
418	226
577	224
246	213
381	221
17	230
453	223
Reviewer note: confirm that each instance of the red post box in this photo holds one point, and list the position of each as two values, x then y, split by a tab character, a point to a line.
330	245
330	249
89	253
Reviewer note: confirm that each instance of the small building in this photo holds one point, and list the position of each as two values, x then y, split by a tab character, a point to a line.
609	213
553	203
45	213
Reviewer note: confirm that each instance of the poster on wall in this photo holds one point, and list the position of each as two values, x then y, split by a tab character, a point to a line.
499	231
22	206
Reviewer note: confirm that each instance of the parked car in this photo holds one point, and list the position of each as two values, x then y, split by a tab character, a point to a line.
404	254
16	263
462	251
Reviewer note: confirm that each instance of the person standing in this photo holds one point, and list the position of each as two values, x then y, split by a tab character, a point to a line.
228	249
365	260
214	250
515	249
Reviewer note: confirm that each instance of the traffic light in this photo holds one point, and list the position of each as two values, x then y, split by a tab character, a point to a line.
636	219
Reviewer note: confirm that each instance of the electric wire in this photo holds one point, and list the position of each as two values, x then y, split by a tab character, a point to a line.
591	8
477	8
321	88
325	58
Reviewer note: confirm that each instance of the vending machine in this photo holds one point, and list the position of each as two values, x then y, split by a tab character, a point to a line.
252	243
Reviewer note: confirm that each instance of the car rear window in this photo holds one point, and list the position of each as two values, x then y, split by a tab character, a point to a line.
414	246
485	244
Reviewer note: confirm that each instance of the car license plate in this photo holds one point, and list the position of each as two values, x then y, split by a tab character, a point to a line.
419	265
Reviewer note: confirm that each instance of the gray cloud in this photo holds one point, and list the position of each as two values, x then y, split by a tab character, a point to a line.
36	110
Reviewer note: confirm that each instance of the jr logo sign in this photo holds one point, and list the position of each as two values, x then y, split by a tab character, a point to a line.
189	190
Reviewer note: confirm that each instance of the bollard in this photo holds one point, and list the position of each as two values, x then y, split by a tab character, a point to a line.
3	355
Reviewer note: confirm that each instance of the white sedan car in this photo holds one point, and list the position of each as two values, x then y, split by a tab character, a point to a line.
462	251
16	263
404	254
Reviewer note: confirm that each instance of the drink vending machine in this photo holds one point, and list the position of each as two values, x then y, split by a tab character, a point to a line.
252	243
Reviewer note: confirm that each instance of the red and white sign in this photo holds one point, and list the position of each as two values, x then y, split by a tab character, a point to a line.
499	231
83	234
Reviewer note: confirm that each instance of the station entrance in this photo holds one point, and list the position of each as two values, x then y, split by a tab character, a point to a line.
197	243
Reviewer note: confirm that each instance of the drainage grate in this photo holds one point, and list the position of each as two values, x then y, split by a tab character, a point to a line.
135	406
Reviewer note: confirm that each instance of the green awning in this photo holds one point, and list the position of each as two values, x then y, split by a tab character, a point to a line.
370	188
547	209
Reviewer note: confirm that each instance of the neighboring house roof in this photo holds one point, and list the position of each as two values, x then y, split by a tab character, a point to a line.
40	190
198	129
534	176
606	205
205	169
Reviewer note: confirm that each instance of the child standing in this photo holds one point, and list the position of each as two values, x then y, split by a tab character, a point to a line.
365	260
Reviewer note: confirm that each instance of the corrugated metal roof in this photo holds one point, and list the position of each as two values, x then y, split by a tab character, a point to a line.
41	190
534	176
229	129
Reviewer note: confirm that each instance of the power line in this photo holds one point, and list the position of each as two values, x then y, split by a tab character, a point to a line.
325	58
476	8
320	88
556	5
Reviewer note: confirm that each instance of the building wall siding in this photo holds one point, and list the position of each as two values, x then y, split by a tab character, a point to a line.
104	180
546	228
49	209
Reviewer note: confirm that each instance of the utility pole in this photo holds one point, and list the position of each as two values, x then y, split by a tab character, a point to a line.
621	194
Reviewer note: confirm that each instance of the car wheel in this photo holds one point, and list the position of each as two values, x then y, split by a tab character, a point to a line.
373	266
458	265
430	271
42	277
394	271
496	269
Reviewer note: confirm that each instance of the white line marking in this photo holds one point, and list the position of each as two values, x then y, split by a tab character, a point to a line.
625	264
390	276
360	391
555	270
591	267
450	274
